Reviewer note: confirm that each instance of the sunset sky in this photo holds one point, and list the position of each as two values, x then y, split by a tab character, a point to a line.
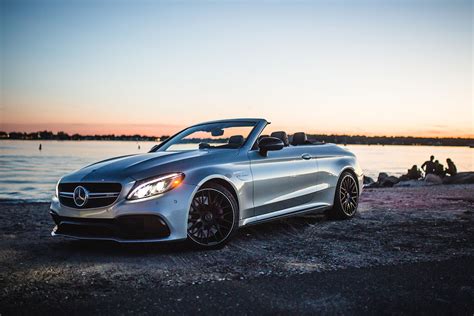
149	67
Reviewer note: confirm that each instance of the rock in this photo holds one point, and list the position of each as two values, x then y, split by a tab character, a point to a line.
413	183
460	178
368	180
383	180
432	178
372	185
389	181
381	177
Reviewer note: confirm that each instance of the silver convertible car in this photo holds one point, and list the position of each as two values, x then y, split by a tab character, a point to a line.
205	182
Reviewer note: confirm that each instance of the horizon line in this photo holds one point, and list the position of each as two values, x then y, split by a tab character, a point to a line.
169	135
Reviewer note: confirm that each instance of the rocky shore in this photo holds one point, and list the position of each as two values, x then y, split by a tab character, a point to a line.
409	250
384	180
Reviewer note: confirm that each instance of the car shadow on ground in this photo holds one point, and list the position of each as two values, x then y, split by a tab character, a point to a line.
244	235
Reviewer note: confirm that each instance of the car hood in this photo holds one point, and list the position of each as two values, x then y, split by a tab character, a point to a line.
136	167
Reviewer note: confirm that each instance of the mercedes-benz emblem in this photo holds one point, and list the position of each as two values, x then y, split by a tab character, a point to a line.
80	196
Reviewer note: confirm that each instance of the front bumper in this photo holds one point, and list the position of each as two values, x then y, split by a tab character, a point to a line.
162	218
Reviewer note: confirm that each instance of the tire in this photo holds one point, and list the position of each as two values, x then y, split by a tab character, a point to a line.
346	198
213	217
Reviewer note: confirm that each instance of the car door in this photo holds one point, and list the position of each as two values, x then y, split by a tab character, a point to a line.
285	179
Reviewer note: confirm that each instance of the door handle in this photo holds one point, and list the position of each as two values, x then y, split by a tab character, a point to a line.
306	156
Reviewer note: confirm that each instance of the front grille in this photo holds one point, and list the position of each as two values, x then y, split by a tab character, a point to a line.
100	194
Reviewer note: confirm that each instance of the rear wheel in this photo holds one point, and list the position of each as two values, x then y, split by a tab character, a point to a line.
213	217
346	199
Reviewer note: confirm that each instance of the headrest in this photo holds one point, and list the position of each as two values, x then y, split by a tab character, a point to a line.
281	135
236	140
299	139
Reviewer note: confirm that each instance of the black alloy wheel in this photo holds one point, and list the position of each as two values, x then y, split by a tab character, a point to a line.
346	199
213	217
348	195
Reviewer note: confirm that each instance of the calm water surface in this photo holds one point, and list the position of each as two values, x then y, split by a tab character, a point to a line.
29	174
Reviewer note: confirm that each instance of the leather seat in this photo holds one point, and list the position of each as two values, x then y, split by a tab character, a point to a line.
299	139
236	140
282	136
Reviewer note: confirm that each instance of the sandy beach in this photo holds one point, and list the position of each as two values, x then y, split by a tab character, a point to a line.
409	250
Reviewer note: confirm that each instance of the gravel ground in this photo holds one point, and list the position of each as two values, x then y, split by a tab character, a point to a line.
403	243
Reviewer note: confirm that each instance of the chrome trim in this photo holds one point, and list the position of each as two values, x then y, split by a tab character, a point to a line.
283	213
101	195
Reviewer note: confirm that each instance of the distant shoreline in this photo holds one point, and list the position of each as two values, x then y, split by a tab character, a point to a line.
336	139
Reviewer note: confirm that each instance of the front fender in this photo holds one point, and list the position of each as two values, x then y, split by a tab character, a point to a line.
238	177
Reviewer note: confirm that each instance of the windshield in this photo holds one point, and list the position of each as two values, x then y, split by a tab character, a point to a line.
223	135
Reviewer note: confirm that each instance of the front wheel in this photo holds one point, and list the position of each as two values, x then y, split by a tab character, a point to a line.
213	217
346	199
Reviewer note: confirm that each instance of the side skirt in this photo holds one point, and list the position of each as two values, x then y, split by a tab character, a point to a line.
282	214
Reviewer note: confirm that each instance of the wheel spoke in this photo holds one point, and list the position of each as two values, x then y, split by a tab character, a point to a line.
194	225
194	209
219	231
219	200
224	224
209	198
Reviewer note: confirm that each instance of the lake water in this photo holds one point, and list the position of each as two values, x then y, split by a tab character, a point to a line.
29	174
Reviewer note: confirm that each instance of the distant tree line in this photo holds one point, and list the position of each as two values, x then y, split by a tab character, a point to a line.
391	140
47	135
338	139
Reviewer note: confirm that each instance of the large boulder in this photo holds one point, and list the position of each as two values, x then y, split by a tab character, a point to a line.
381	177
368	180
434	179
384	180
460	178
390	181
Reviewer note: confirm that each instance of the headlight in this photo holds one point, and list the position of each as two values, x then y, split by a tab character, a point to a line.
156	185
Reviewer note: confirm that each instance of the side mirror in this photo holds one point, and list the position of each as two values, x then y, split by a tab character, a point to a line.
269	143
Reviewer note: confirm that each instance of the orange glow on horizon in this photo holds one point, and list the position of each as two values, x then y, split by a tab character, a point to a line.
170	129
